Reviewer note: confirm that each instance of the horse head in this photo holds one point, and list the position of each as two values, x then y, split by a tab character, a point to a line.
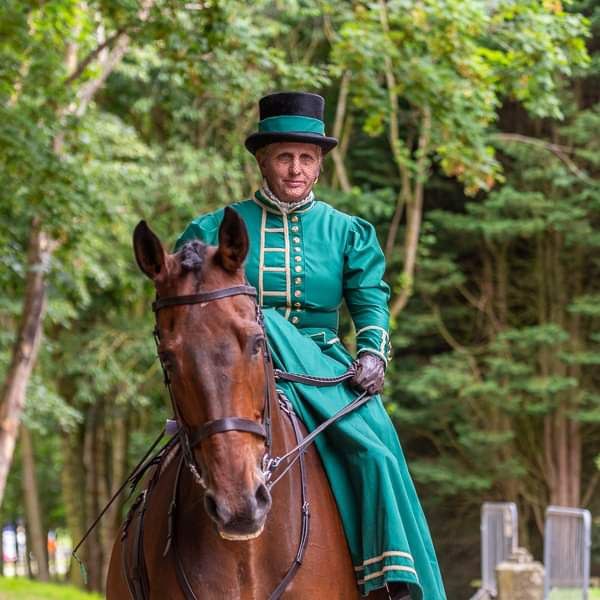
214	355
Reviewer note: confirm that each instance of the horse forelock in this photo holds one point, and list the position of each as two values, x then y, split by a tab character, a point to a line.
192	256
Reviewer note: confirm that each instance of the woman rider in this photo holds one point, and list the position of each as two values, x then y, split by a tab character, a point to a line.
305	257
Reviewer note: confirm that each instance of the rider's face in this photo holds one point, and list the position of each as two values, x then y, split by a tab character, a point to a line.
291	168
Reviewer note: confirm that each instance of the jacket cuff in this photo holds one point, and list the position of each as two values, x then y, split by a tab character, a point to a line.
376	340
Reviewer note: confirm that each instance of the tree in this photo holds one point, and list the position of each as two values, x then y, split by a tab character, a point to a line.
35	61
431	76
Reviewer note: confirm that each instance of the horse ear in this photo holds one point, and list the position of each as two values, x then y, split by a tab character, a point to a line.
233	241
149	251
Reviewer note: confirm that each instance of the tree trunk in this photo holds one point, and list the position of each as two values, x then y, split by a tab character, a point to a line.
36	533
25	349
71	479
112	519
91	491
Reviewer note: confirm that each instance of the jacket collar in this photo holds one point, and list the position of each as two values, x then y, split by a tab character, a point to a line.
266	198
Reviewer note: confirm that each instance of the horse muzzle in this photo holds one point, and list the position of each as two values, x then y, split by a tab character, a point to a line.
242	520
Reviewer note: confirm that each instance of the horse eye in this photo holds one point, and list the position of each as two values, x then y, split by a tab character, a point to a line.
165	359
257	344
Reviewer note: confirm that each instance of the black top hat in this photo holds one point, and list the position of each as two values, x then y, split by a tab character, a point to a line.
291	117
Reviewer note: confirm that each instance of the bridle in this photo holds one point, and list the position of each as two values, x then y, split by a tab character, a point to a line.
190	438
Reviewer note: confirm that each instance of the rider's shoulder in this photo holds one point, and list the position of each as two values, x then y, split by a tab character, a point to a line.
212	220
352	223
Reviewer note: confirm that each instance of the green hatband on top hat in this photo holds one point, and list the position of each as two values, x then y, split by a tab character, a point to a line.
291	117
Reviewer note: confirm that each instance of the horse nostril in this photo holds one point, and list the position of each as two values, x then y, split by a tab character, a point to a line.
263	497
214	510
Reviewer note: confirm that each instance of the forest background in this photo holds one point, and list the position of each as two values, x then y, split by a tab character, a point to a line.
468	135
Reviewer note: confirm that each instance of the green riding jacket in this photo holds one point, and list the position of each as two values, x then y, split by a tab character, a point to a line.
307	281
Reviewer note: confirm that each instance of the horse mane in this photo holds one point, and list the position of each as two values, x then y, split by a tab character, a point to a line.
192	256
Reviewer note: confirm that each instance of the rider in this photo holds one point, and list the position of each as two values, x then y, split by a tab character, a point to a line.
305	257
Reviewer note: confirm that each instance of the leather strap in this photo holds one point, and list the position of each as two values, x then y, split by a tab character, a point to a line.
313	380
182	578
226	424
305	507
236	290
136	572
310	438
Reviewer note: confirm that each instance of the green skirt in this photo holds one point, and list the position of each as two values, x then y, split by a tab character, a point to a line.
385	527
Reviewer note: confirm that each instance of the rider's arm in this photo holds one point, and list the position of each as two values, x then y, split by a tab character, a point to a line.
366	293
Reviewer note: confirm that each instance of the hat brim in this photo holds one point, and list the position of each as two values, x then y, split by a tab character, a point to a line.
258	140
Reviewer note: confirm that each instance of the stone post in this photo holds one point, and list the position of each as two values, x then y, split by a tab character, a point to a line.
520	577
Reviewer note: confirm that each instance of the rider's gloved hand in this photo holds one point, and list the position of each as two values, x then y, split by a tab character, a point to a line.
370	371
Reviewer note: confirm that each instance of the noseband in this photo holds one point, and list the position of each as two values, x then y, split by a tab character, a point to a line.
191	437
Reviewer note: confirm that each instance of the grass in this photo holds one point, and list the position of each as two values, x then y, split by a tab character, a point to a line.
17	588
594	594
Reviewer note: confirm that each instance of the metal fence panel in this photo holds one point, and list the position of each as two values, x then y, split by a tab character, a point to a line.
499	539
567	546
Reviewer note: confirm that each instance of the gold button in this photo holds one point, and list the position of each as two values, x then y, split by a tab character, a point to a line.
297	258
295	228
294	218
295	319
298	280
297	304
297	293
296	240
298	269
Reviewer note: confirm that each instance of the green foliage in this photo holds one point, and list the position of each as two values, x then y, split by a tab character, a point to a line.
459	60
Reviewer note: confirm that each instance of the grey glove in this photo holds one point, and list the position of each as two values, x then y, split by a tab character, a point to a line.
370	370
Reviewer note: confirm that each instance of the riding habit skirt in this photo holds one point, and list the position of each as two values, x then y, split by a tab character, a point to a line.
385	527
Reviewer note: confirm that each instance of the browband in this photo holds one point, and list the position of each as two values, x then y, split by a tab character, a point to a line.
237	290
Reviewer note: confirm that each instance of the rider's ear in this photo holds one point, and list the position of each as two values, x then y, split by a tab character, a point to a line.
233	241
149	251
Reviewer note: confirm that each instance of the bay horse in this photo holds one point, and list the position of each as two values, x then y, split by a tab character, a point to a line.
208	525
